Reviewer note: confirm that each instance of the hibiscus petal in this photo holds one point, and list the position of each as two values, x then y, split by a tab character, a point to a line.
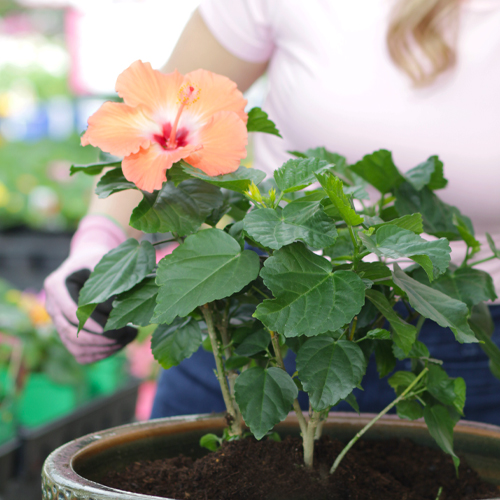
140	84
217	93
119	129
224	139
147	169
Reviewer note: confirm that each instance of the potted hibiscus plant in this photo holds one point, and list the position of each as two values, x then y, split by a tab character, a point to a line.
305	262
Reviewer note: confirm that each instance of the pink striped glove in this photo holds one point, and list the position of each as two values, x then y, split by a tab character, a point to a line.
96	236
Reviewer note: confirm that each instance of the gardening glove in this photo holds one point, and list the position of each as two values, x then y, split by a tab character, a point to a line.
96	236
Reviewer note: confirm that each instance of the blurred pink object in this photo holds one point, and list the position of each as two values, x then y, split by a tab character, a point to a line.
141	359
145	398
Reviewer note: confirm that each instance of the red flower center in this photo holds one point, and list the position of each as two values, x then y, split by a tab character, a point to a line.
180	137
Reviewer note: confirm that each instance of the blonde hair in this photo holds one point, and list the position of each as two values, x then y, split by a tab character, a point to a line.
421	37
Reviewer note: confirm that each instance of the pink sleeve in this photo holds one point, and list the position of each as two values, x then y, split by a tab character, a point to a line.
243	27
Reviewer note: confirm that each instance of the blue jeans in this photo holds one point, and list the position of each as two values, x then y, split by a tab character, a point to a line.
192	387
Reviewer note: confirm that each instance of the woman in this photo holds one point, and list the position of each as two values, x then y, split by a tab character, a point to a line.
417	77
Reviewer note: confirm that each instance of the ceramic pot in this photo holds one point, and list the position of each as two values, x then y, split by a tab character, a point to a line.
73	471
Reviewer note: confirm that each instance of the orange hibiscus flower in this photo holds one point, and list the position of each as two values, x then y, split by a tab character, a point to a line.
164	118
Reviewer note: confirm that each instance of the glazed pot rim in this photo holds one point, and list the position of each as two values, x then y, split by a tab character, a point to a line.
97	442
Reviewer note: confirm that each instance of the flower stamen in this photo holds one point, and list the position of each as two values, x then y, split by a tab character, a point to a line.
188	94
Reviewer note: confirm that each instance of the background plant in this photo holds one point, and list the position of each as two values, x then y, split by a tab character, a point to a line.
306	264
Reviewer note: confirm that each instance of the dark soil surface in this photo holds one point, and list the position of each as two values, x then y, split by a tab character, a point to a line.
267	470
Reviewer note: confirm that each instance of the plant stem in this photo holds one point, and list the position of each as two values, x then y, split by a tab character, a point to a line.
163	241
482	260
235	426
308	439
353	441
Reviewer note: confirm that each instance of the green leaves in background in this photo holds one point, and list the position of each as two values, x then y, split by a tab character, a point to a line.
113	182
411	222
258	121
428	173
209	265
118	271
256	342
135	306
265	396
438	217
334	189
236	181
310	298
404	334
329	370
180	209
435	305
274	228
398	243
94	168
379	170
173	343
299	173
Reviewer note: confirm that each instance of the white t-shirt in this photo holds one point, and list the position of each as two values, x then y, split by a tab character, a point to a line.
333	84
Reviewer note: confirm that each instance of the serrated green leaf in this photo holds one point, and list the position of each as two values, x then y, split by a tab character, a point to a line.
412	222
401	380
83	313
264	396
409	410
235	181
351	401
254	343
180	209
275	228
258	121
296	174
343	246
171	344
384	357
440	385
428	173
208	266
113	182
329	370
94	168
236	362
435	305
378	333
398	243
333	187
310	298
135	306
437	216
404	333
118	271
379	170
177	174
440	425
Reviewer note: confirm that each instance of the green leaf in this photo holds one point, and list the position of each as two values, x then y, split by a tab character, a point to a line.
418	350
333	188
351	401
339	165
254	343
236	362
94	168
113	182
83	313
258	121
432	304
343	246
468	285
411	222
118	271
466	233
429	173
440	385
460	390
409	410
296	174
384	357
177	173
379	170
180	209
208	266
492	246
398	243
437	216
171	344
236	181
265	397
404	333
378	333
401	380
135	306
329	370
440	425
310	298
210	442
274	228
